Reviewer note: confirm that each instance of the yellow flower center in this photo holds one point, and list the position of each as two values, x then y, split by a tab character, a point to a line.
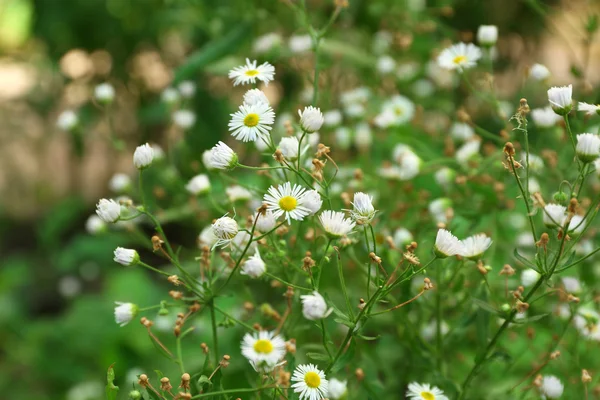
251	120
263	346
427	396
252	72
398	111
312	379
459	59
288	203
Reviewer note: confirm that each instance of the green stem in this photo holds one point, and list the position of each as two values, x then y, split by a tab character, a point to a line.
566	118
237	321
438	318
288	283
343	285
325	338
213	321
231	391
320	267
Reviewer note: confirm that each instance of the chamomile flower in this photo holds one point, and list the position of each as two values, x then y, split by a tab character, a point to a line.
287	200
402	237
311	383
363	210
222	157
589	109
552	387
576	225
588	147
263	349
561	99
409	164
266	42
207	237
554	215
446	244
225	230
300	43
184	119
332	118
424	391
395	112
252	122
587	323
95	224
67	120
254	266
363	137
143	156
474	246
545	117
119	183
250	72
335	223
487	35
108	210
459	56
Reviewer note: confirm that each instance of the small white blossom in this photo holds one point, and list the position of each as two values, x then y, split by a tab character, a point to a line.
199	184
552	387
561	99
588	147
363	210
67	120
126	257
289	147
385	64
310	382
571	284
252	122
332	118
446	244
187	89
300	43
125	312
314	306
266	222
222	157
225	230
94	225
119	183
402	237
255	96
237	193
363	137
445	177
589	109
250	72
266	42
184	119
459	56
264	350
461	131
104	93
170	95
143	156
335	223
545	117
343	137
254	266
424	391
311	119
312	201
474	246
554	215
108	210
337	389
539	72
467	152
207	237
487	35
529	277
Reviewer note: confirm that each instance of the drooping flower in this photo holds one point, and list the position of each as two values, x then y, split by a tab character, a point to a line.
254	266
95	224
287	200
263	350
108	210
474	246
225	230
311	383
529	276
552	387
289	147
126	257
143	156
125	312
311	119
554	215
363	210
446	244
588	147
487	35
560	98
252	122
223	157
250	72
459	56
424	391
199	184
312	201
237	193
314	306
335	223
589	109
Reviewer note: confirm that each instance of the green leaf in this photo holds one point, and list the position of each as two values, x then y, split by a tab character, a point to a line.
523	260
369	337
318	356
344	322
111	389
485	306
345	358
530	319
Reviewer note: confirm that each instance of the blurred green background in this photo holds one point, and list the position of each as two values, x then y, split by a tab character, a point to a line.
58	283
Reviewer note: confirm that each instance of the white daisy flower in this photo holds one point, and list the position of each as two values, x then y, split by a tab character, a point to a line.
250	72
289	147
529	277
459	56
424	391
119	183
539	72
554	215
254	266
310	382
225	230
222	157
332	118
561	99
240	241
263	349
363	210
429	331
552	387
255	96
266	42
252	122
589	109
446	244
337	389
312	201
335	223
108	210
467	152
355	110
187	89
536	164
487	35
587	323
461	131
67	120
266	222
104	93
143	156
199	184
237	193
94	225
545	117
184	119
402	237
287	199
474	246
395	112
356	95
300	43
588	147
408	162
125	312
314	306
126	257
311	119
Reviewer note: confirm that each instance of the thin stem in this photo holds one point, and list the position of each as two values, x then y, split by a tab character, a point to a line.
438	317
319	267
287	283
213	321
325	338
237	321
230	391
343	283
566	118
525	198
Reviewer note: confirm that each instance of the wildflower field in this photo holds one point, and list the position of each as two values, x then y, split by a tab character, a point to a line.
299	199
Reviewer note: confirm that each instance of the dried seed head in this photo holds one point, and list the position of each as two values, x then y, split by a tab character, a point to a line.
507	270
411	258
509	149
585	376
165	384
322	150
573	205
194	307
537	382
185	381
544	239
143	380
278	156
157	243
358	174
183	396
360	374
224	363
573	299
176	295
554	355
290	346
427	285
521	306
174	279
204	348
318	165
